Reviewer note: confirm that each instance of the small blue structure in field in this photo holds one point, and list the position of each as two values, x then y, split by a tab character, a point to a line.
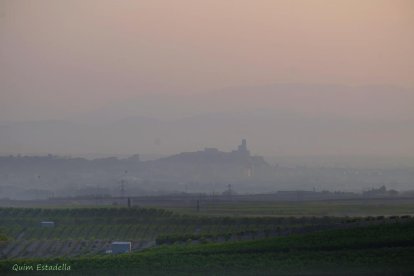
47	224
121	247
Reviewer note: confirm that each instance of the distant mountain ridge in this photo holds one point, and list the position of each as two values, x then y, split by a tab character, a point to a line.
282	119
272	133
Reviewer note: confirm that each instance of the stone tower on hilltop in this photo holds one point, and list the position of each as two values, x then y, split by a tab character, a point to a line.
243	148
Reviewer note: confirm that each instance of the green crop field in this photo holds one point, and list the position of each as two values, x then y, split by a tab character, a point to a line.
164	241
354	207
386	249
242	206
80	231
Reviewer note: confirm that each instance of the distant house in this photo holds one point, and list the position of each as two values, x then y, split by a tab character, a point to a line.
121	247
47	224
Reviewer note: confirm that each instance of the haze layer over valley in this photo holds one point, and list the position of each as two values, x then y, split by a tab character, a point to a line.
284	120
310	84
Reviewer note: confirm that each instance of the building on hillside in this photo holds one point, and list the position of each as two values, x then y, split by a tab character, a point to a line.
121	247
47	224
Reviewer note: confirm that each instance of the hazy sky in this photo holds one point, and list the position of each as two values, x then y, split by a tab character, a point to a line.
336	76
59	58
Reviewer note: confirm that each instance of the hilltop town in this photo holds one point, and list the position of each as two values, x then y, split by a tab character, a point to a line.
208	171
